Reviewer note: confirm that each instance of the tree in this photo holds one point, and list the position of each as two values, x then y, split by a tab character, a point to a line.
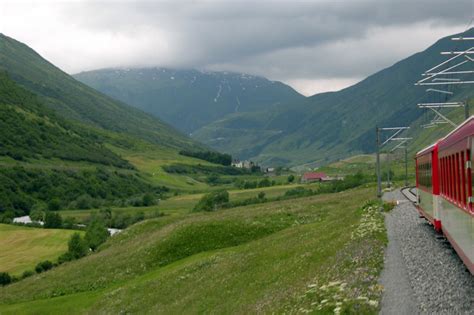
5	278
37	215
77	247
291	178
96	234
52	220
54	204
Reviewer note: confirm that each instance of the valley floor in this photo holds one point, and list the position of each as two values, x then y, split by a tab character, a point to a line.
317	254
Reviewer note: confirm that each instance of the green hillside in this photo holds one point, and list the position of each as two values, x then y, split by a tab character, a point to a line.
74	100
189	99
331	126
34	142
318	254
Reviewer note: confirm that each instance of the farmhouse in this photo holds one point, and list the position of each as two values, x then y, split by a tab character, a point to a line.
313	177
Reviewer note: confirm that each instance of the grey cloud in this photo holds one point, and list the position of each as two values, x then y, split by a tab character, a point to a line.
281	39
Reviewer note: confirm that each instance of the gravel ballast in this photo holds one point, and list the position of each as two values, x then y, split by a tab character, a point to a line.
422	272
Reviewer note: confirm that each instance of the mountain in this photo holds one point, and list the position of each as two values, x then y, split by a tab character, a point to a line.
30	130
189	99
275	125
74	100
49	162
330	126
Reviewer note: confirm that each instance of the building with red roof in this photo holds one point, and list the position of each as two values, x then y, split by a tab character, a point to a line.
313	177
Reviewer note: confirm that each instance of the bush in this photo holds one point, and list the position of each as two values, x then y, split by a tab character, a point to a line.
37	214
65	257
84	202
43	266
52	220
96	234
388	206
5	278
264	183
212	201
291	178
26	274
69	223
148	200
77	246
261	195
54	204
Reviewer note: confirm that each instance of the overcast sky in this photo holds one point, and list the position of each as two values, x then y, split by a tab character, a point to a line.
314	46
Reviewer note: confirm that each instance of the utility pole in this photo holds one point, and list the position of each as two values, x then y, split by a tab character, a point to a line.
455	71
379	180
393	137
387	156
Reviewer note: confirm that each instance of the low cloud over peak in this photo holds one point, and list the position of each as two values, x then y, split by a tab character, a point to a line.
305	42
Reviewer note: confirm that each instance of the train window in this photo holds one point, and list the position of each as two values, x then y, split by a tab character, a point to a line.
462	165
451	177
469	178
443	175
458	178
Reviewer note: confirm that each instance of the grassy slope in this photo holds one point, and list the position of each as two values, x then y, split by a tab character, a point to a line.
183	204
76	101
250	259
24	247
330	126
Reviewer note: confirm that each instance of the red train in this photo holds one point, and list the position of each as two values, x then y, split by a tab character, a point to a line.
444	181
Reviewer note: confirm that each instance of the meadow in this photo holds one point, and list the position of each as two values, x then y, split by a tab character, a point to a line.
322	253
24	247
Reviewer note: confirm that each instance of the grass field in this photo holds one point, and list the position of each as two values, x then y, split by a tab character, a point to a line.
23	247
183	204
321	253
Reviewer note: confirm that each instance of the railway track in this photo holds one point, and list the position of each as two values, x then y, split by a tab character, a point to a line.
409	193
423	273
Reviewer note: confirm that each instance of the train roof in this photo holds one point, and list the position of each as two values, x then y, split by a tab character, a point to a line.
463	130
426	150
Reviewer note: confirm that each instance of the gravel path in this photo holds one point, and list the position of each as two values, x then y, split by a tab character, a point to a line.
422	272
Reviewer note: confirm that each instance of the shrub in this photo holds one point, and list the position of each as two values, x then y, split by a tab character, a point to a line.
69	223
261	195
52	220
212	201
84	202
291	178
65	257
26	274
148	200
37	214
5	278
96	234
388	206
43	266
54	204
77	247
264	183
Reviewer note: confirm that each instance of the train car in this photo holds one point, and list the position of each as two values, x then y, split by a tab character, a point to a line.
427	183
444	174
